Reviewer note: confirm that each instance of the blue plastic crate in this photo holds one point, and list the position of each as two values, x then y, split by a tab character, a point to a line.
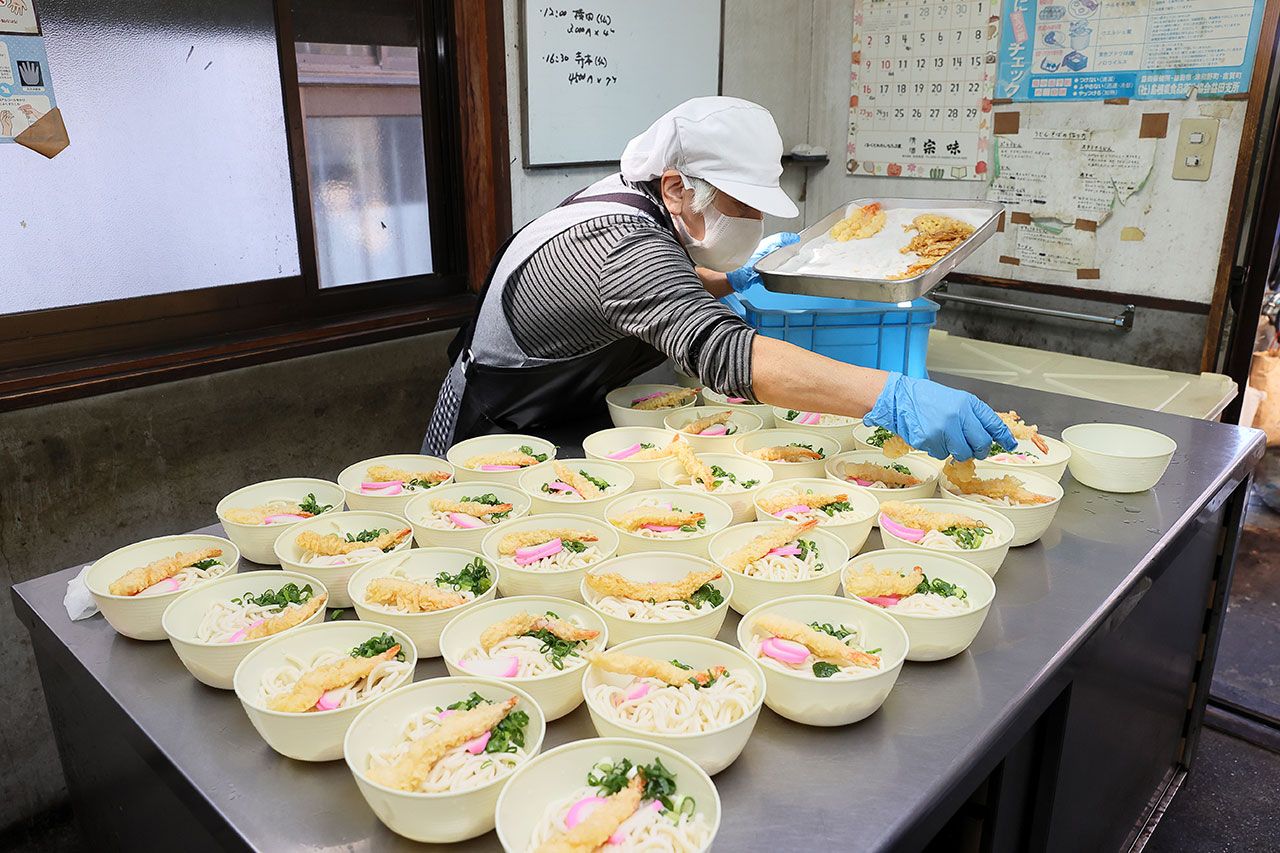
868	334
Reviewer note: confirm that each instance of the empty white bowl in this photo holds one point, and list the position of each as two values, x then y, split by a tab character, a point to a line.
422	565
989	556
740	421
485	444
659	567
714	750
433	818
1118	457
619	477
841	429
257	541
312	735
558	773
607	443
853	530
418	512
139	616
672	476
811	468
716	513
557	692
353	476
215	663
335	578
620	412
750	591
922	467
1029	521
761	410
1052	465
832	701
520	580
935	637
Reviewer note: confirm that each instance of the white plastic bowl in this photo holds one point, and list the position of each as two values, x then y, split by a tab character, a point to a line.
432	818
823	444
713	751
485	444
557	692
335	578
744	422
1053	465
655	567
600	444
862	432
313	735
419	510
139	616
1118	457
214	664
672	476
620	412
832	701
718	515
559	772
989	556
1029	522
852	532
420	564
935	637
353	475
842	432
617	476
565	584
761	410
749	592
923	467
257	542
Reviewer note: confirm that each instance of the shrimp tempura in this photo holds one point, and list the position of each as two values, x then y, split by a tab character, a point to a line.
409	771
472	508
642	667
259	514
634	519
822	645
507	457
995	488
528	538
870	582
878	473
288	618
523	623
651	453
308	689
617	585
783	500
332	545
786	453
417	597
765	542
919	518
1023	431
862	223
594	831
136	580
696	427
693	466
587	489
387	474
669	400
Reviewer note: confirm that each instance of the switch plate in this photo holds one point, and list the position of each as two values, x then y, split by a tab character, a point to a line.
1193	160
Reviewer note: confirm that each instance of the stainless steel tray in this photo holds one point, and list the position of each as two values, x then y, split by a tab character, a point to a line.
876	289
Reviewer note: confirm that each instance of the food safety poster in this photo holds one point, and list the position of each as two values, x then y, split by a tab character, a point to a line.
26	92
1082	50
921	82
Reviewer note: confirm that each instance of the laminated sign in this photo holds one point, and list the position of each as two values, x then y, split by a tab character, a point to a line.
29	114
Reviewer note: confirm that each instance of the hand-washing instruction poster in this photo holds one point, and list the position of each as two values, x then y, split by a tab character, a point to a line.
1083	50
26	92
18	17
921	80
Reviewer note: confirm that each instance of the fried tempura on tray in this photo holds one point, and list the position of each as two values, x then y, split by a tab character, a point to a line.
697	470
528	538
785	453
332	545
869	582
507	457
587	489
696	427
913	270
919	518
879	473
523	623
308	689
471	508
862	223
642	667
416	597
633	519
136	580
287	619
966	482
409	771
783	500
822	645
595	830
387	474
613	584
766	542
669	400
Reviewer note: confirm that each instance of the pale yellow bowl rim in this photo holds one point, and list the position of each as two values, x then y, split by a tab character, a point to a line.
1032	478
404	545
1149	433
913	553
523	439
759	426
225	543
218	510
827	441
622	469
549	518
677	492
611	401
737	574
494	569
780	412
318	588
365	463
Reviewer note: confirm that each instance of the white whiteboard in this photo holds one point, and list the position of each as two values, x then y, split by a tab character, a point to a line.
597	72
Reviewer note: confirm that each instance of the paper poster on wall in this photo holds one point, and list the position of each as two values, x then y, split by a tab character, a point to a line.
1050	247
921	78
1081	50
26	92
18	17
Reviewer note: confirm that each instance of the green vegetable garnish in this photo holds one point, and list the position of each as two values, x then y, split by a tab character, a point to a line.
488	499
555	648
335	615
879	437
602	485
792	414
659	782
839	506
721	475
680	664
312	506
938	586
415	483
474	578
506	735
367	535
841	633
646	445
967	538
472	701
205	564
822	669
818	451
278	600
573	545
375	646
901	469
807	545
528	451
705	593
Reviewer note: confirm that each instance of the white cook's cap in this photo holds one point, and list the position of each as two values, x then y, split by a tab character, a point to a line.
730	143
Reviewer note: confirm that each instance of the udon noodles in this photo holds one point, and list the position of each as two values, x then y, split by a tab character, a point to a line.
814	666
651	611
399	573
663	709
726	482
205	570
386	676
686	532
831	514
788	567
932	604
228	621
532	656
1016	457
941	541
360	555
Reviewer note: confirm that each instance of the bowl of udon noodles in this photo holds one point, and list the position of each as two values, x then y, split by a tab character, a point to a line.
838	427
675	520
844	512
1027	457
303	688
774	559
639	595
789	453
500	458
761	410
551	794
536	642
940	599
460	515
417	592
431	758
579	486
548	554
641	450
1028	500
903	479
867	437
214	626
332	546
387	483
712	429
828	661
133	585
735	479
647	405
694	694
254	516
983	538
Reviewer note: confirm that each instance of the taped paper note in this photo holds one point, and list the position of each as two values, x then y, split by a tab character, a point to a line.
1044	247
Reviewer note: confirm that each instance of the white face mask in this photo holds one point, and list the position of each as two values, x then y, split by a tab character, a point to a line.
727	242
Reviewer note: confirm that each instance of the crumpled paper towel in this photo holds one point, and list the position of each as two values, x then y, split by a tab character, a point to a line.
78	600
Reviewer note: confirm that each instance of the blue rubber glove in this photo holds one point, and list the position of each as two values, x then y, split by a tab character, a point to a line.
746	275
939	420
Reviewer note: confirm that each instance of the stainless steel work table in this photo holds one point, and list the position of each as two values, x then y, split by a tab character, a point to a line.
1064	725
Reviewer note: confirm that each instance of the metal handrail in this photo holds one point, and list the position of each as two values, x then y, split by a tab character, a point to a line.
1124	320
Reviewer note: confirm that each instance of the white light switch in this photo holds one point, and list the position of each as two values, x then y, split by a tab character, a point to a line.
1193	158
1191	162
1196	137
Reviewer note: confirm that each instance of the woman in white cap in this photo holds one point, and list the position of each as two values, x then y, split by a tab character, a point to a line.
626	273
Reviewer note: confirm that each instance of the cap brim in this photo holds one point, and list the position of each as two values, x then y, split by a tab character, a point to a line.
770	200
